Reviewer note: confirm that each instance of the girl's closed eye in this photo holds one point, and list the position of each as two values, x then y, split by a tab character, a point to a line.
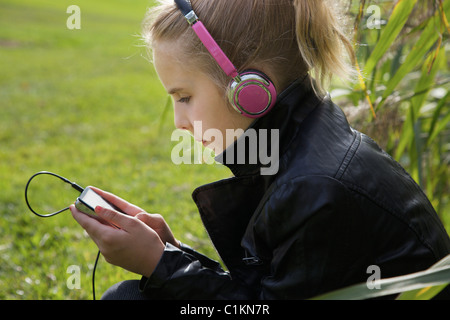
184	99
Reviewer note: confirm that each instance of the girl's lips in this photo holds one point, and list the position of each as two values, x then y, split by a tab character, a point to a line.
204	142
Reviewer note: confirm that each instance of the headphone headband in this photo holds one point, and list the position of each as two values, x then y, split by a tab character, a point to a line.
206	38
253	96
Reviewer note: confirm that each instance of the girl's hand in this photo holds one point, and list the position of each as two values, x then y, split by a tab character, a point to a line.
157	223
154	221
136	246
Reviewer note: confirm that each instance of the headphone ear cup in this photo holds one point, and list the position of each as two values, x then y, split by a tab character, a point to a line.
253	96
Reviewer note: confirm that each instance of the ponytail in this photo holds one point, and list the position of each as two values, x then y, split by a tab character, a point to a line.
322	42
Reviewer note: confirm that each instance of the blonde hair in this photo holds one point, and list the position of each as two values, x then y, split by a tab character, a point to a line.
288	37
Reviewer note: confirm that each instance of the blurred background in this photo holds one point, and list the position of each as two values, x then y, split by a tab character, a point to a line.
84	101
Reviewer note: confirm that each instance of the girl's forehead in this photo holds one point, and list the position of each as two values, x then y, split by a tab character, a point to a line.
169	51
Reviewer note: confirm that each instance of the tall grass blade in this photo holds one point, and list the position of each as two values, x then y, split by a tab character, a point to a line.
437	125
427	40
426	293
398	18
164	113
437	275
443	16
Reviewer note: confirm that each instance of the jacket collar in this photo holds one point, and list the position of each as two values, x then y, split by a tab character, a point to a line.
271	134
226	206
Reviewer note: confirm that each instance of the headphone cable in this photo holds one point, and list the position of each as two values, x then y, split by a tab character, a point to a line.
73	184
76	187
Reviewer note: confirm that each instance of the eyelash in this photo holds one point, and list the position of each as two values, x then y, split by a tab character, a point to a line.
184	100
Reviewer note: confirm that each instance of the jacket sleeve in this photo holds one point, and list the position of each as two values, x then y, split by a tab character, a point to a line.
186	274
308	228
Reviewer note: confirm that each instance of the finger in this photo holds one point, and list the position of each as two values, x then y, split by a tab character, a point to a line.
120	203
145	217
117	219
92	225
81	218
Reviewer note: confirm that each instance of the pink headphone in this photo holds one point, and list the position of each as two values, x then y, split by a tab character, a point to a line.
251	92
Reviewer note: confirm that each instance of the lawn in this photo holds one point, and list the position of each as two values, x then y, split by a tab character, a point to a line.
85	104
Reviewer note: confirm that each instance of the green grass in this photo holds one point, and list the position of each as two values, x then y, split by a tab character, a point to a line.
85	104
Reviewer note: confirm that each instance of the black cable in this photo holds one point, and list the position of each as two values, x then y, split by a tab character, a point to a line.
76	187
73	184
93	275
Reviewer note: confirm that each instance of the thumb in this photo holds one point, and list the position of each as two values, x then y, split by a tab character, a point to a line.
144	217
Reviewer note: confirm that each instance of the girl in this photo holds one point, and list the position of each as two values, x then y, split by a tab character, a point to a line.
336	204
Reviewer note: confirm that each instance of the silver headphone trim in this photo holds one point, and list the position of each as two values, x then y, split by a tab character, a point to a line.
191	17
257	80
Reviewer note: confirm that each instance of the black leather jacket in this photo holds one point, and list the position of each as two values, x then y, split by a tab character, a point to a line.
337	205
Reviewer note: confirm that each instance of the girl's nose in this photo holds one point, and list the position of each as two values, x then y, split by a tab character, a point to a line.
181	120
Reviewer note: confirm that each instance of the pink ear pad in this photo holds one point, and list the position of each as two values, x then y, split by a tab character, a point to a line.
254	96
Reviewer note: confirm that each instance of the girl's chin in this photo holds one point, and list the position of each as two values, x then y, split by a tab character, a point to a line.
211	146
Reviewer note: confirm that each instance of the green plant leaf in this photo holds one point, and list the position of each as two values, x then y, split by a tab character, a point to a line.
164	113
428	38
407	135
428	292
427	78
437	126
396	22
437	275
